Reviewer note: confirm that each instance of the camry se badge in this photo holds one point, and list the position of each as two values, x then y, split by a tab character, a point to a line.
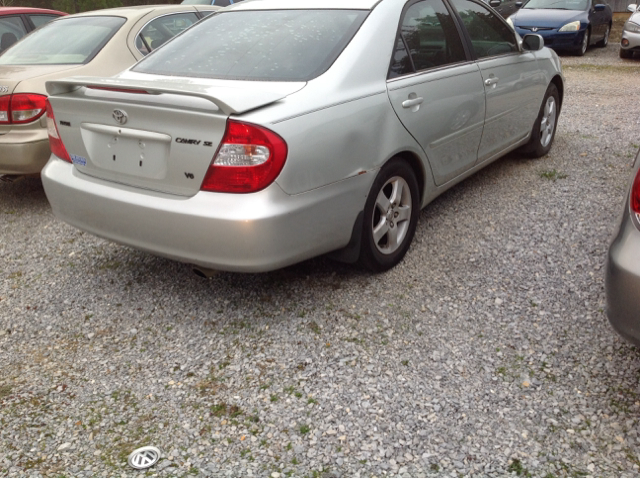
120	116
4	89
188	141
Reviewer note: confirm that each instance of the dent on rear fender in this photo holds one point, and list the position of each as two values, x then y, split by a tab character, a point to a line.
340	142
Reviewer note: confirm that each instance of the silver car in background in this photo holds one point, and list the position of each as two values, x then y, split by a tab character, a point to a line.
324	126
630	41
622	274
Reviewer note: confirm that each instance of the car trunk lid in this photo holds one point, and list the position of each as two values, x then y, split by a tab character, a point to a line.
158	135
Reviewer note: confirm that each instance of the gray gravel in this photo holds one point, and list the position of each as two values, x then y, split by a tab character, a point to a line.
485	353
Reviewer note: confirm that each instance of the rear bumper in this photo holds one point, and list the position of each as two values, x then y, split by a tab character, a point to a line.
622	280
557	40
24	151
254	232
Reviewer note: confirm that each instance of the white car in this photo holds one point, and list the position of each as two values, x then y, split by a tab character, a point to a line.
630	41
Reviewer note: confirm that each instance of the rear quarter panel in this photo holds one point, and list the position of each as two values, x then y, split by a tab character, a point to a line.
342	122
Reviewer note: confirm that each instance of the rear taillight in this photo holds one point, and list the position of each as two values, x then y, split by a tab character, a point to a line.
5	111
57	147
248	160
21	108
635	194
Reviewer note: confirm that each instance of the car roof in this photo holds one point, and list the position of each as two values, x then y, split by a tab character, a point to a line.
18	10
142	10
306	5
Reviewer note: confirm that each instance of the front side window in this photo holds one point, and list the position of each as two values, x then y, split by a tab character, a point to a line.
11	30
269	45
490	36
158	31
51	44
428	38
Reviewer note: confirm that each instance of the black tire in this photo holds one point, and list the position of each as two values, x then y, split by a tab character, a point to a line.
398	222
626	53
585	44
605	41
543	134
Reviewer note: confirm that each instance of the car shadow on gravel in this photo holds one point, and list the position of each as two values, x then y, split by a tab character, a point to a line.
23	193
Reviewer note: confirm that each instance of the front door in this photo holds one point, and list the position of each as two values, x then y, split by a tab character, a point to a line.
513	83
435	90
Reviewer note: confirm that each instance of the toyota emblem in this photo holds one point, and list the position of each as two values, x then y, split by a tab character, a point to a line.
145	457
120	116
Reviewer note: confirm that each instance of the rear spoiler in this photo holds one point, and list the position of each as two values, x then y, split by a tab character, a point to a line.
229	99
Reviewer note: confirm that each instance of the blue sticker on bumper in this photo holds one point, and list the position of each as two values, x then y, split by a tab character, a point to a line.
78	160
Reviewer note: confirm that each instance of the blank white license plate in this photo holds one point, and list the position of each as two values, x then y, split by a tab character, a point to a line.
127	151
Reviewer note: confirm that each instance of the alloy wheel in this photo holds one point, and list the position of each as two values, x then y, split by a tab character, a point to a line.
585	42
548	122
392	215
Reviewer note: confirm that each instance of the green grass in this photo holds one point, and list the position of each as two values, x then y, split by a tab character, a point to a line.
552	175
304	429
517	467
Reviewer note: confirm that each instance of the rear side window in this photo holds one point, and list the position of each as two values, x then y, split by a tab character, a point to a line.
158	31
11	30
67	41
273	45
428	38
490	36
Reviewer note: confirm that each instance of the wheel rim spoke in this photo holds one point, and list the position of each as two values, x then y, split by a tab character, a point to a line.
396	193
380	230
392	239
382	202
404	213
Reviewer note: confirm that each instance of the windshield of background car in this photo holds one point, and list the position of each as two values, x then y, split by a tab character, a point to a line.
269	45
68	41
558	4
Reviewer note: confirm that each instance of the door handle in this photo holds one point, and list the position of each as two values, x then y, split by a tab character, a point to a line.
413	102
491	81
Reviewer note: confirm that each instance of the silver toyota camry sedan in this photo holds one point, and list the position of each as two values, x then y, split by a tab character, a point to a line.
278	130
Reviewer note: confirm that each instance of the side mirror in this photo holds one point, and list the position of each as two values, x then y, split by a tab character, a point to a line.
495	3
532	42
632	8
519	4
599	8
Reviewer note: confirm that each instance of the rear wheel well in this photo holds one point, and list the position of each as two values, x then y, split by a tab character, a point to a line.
418	169
557	81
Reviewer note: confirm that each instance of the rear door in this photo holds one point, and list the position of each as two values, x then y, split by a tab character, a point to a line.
513	82
435	90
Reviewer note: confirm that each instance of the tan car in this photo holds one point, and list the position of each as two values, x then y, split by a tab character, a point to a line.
103	43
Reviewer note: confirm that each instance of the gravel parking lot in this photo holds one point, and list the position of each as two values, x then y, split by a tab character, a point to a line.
485	353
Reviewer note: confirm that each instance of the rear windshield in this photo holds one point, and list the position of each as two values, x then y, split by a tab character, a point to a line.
271	45
68	41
